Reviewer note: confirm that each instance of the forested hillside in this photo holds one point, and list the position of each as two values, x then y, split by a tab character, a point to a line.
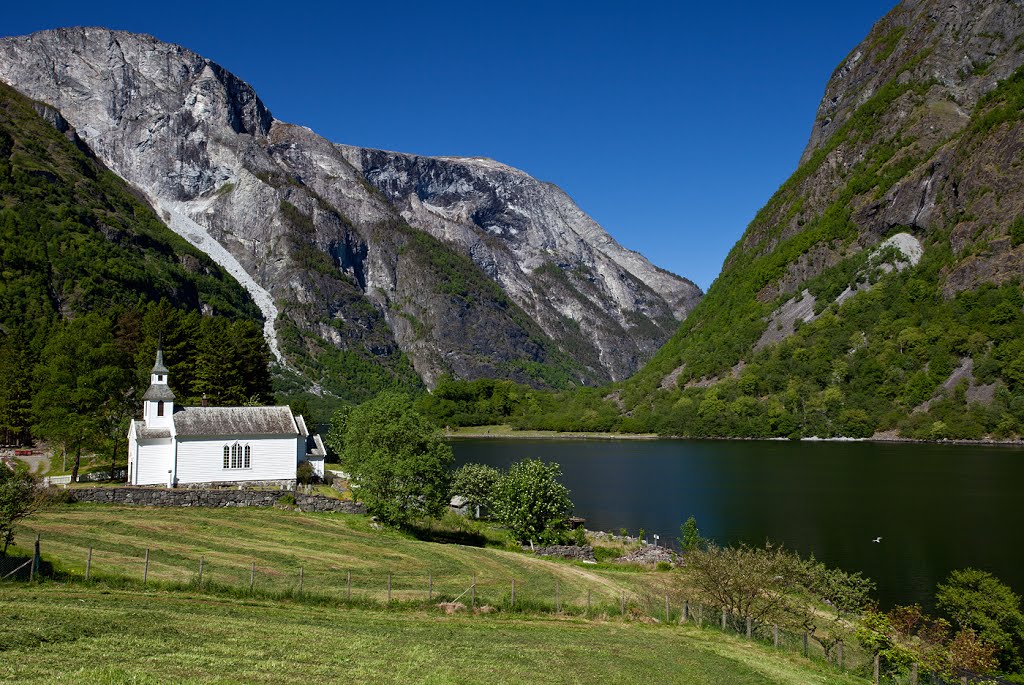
879	290
91	281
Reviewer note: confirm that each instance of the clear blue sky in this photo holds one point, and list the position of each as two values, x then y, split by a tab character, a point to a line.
669	123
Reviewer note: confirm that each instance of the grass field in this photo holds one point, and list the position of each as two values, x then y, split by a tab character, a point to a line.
174	629
326	547
81	634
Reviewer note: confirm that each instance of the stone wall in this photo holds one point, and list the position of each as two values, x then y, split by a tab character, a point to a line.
580	552
163	497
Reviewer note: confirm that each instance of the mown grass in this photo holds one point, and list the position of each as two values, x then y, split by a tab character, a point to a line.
326	547
84	634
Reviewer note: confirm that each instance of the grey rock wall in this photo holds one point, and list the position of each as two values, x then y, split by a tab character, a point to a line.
162	497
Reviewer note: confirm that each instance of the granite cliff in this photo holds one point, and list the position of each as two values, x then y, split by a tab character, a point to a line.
879	289
372	269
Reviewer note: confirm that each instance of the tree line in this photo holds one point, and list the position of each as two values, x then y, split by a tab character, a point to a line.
77	383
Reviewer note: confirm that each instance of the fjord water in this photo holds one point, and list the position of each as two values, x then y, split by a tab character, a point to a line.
936	507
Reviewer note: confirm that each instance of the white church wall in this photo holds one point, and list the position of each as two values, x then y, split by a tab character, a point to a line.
154	461
202	460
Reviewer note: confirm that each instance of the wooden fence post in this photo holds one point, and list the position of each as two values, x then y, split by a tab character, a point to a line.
623	602
558	598
389	588
723	619
348	592
749	631
430	586
913	673
88	564
35	560
775	635
875	678
513	602
841	662
666	609
806	644
145	569
252	575
472	601
686	611
201	559
301	578
588	601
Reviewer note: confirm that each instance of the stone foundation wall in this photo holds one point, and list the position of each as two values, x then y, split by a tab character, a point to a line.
163	497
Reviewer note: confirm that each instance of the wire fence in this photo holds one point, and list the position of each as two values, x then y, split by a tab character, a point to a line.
483	592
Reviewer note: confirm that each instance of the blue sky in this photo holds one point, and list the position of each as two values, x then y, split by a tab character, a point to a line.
670	123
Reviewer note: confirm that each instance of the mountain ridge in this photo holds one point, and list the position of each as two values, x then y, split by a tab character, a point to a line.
357	287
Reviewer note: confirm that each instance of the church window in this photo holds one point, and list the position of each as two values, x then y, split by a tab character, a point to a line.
237	456
160	408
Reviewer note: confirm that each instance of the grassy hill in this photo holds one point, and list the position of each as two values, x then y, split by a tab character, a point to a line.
115	630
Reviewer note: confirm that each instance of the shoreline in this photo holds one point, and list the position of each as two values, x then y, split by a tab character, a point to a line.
504	432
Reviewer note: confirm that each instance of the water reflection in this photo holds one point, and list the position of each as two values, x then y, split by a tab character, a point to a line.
937	507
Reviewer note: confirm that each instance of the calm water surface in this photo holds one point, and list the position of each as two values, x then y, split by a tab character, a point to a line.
937	507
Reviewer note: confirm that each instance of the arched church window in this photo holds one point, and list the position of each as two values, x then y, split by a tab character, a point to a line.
236	456
227	456
248	455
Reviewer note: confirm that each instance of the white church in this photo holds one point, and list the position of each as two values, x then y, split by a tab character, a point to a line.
192	446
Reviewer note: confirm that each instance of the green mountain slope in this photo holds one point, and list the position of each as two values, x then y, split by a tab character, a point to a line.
879	288
86	265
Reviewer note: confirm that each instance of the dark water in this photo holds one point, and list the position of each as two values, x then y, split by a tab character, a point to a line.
937	507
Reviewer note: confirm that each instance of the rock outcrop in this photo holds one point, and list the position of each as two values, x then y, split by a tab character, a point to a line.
376	260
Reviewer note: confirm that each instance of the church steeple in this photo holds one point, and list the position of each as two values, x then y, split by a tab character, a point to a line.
158	402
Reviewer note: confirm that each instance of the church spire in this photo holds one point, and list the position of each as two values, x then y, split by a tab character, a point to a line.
158	367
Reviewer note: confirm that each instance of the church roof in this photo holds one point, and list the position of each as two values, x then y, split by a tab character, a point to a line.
159	366
144	433
227	421
158	391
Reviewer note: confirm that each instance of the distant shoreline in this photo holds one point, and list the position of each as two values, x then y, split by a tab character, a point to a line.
505	432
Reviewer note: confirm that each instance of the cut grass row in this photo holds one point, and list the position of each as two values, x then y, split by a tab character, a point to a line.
55	633
328	548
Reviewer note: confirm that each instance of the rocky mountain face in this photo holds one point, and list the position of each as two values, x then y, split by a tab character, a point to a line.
371	269
889	261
